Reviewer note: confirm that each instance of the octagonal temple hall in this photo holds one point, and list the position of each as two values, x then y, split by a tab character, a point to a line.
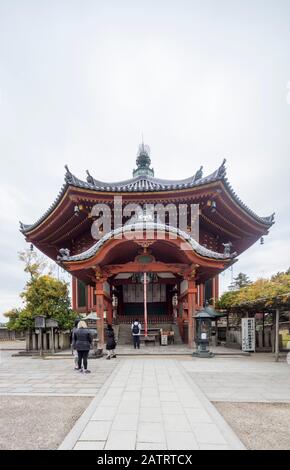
181	272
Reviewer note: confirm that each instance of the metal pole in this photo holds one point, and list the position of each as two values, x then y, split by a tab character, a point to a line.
277	336
145	304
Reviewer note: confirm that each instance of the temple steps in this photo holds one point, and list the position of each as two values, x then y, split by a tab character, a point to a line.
125	336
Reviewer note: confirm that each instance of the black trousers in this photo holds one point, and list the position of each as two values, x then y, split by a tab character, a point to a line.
136	341
83	357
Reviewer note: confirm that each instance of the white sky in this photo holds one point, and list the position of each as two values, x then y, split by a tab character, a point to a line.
203	80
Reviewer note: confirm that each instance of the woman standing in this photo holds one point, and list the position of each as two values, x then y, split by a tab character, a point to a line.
82	341
111	342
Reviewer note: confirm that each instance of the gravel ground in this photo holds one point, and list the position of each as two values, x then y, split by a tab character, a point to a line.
38	422
260	426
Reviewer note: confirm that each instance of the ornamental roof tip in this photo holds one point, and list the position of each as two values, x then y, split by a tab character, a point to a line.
22	226
222	169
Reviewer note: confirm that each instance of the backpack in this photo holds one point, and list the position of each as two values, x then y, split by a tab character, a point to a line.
135	329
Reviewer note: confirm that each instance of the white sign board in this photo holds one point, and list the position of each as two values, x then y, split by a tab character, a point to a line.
248	334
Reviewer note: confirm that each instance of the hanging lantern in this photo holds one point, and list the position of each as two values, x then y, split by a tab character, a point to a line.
175	300
114	301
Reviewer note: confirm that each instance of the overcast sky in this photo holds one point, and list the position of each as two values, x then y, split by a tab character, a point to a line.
202	79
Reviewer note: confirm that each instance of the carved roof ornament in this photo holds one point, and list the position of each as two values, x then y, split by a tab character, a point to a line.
227	250
68	175
64	254
222	169
90	179
198	174
272	217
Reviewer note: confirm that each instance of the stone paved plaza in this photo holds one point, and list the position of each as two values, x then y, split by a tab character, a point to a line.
257	378
33	375
161	402
151	404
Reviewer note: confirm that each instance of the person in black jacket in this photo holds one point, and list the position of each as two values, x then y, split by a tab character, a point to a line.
82	341
72	343
111	342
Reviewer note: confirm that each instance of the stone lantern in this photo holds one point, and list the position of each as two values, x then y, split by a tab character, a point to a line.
203	333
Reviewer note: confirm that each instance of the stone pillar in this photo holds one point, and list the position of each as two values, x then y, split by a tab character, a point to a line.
28	341
56	341
39	340
45	341
61	340
34	343
52	340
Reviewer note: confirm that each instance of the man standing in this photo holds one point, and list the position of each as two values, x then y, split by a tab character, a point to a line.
136	331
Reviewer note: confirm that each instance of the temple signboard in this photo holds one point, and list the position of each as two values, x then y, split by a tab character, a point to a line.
248	334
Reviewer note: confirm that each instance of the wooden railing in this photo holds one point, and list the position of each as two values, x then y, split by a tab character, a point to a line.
152	319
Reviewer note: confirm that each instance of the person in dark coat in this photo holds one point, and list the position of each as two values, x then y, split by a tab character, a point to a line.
82	341
73	346
111	342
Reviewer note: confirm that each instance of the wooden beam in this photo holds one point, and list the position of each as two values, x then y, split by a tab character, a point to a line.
134	267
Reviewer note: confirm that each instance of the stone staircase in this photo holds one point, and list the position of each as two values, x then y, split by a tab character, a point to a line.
125	335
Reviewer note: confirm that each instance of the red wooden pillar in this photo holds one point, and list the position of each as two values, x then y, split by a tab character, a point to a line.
100	304
216	288
74	293
191	311
89	298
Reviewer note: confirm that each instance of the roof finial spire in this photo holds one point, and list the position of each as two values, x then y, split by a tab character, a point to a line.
143	161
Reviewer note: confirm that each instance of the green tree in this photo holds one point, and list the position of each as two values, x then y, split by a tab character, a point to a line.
49	296
241	280
12	316
261	294
42	295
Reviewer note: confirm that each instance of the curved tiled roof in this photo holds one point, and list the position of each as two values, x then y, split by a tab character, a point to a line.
199	249
146	183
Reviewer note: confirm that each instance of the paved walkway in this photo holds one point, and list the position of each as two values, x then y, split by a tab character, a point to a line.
52	377
257	378
151	404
